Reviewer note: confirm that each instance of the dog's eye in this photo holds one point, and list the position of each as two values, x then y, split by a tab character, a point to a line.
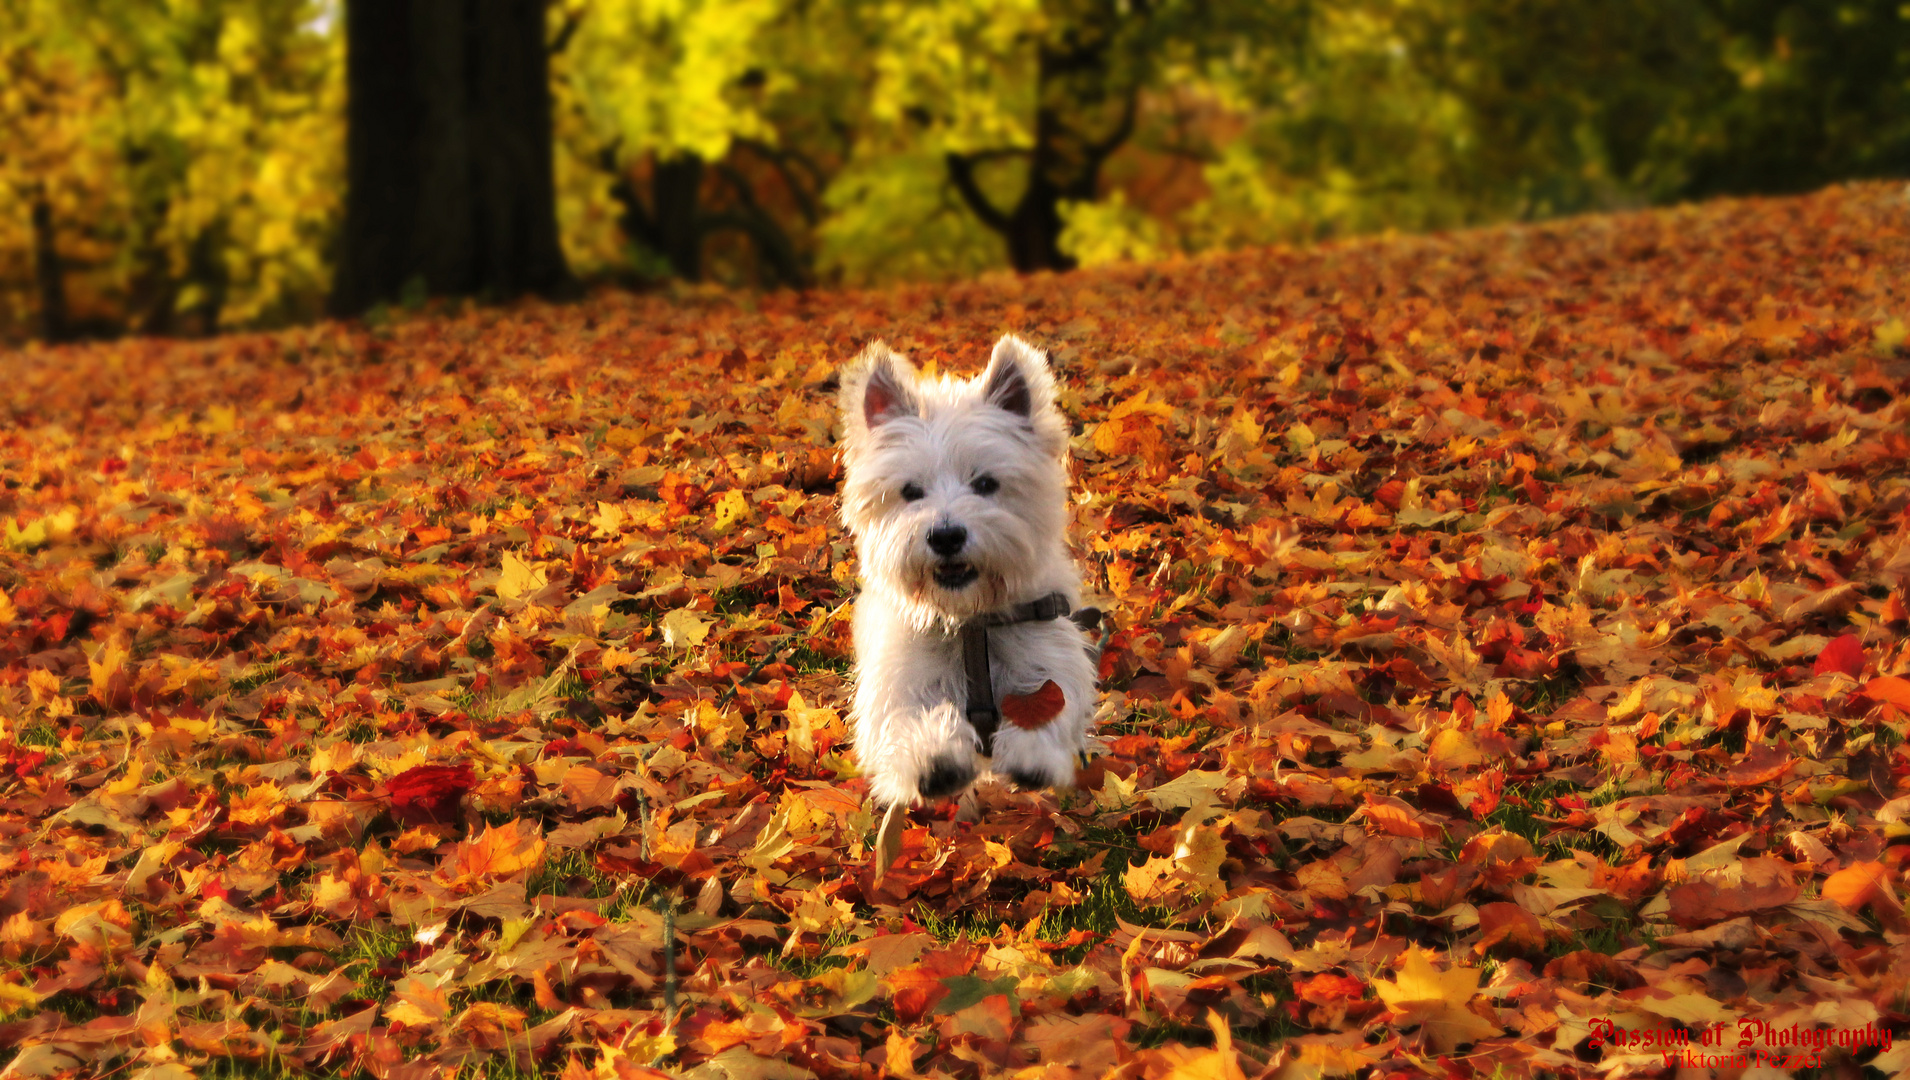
911	492
986	485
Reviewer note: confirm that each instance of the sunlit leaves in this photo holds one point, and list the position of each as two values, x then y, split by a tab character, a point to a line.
1502	633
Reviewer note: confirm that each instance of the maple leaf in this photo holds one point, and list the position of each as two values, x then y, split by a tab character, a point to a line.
15	998
1747	885
418	1002
683	629
519	578
500	851
1509	924
1436	1001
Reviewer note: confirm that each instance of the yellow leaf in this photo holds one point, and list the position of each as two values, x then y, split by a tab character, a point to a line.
773	843
1891	335
108	668
1151	882
719	726
219	420
1436	1001
15	998
1199	852
730	509
623	438
683	629
609	519
43	684
51	529
805	723
1219	1063
519	578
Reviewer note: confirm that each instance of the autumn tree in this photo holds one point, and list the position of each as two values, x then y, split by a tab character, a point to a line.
712	119
448	155
1024	104
47	87
1088	72
167	168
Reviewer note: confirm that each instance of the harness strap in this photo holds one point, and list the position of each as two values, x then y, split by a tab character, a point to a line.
983	715
1044	609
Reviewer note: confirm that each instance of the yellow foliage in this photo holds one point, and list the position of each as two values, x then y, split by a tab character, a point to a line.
198	144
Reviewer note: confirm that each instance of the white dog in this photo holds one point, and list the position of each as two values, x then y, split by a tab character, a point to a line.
956	492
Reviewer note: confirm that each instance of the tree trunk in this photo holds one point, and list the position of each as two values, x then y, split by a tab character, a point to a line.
448	152
673	229
1076	87
49	274
674	188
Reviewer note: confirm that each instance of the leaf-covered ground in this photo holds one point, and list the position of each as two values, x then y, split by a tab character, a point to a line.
1508	650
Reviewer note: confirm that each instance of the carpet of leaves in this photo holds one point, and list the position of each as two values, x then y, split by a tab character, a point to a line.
1508	635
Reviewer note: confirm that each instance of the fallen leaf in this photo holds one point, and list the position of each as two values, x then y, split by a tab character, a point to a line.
1436	1001
1031	711
1845	654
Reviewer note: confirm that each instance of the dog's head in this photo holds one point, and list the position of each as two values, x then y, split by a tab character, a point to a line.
956	490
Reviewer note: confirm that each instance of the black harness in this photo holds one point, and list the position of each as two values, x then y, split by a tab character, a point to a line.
983	715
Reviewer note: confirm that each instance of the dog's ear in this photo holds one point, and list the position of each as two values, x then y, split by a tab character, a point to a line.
877	388
1017	378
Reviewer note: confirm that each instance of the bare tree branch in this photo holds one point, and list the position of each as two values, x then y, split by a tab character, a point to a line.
572	20
961	169
1100	149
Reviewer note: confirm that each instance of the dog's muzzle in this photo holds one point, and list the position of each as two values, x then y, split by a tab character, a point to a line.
953	574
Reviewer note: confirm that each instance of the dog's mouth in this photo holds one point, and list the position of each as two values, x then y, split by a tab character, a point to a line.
955	575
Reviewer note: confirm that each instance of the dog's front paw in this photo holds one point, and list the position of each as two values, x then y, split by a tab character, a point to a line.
1034	764
1031	779
945	776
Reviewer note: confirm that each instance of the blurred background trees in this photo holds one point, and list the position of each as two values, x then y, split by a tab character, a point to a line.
181	165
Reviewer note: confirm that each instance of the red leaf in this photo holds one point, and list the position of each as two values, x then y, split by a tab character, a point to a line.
1030	711
430	787
1844	654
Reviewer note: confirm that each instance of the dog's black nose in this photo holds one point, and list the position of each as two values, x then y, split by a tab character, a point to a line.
946	540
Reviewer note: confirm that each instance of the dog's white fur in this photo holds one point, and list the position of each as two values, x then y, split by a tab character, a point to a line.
937	438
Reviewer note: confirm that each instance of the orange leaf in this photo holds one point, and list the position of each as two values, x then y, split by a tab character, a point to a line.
1760	765
1030	711
1859	885
1509	924
1760	885
1889	688
1327	988
1395	818
500	851
915	991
